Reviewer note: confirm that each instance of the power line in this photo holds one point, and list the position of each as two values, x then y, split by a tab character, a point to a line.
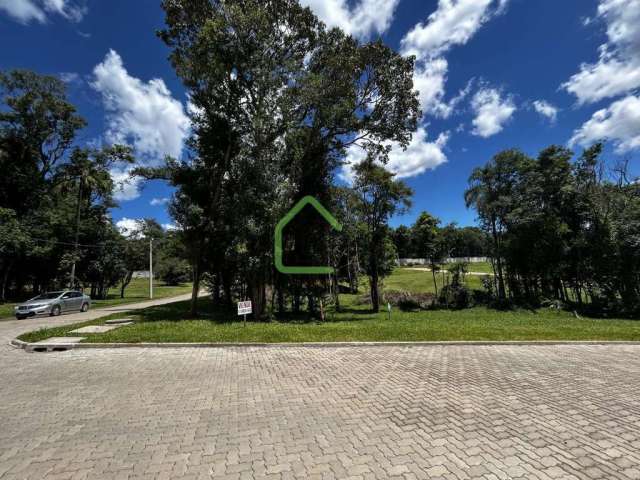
43	240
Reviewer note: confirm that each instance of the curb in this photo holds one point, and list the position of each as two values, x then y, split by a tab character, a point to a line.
44	347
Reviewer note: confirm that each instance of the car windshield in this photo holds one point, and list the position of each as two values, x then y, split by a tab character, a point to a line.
47	296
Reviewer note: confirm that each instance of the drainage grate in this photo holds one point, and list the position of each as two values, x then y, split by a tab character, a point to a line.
48	349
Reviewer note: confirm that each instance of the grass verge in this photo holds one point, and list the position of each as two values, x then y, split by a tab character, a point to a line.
168	323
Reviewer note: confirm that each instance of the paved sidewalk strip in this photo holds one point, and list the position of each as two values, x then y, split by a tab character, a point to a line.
96	329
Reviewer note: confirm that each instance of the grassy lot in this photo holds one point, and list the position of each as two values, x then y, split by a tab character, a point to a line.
482	267
137	291
421	281
168	323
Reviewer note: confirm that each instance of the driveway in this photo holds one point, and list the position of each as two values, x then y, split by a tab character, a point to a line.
10	329
454	412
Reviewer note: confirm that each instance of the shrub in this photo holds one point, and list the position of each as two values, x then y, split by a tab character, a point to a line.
174	271
407	301
456	296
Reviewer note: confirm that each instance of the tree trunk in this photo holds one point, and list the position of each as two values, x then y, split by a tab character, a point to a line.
496	240
295	301
5	280
321	309
336	290
125	282
195	290
356	271
216	289
258	298
311	305
435	281
226	288
375	294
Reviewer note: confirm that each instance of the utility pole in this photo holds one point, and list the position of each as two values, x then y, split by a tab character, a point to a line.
151	268
72	277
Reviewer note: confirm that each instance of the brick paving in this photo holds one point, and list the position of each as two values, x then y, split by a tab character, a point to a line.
455	412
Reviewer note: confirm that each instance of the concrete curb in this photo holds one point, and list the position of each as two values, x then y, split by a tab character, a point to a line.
18	343
37	347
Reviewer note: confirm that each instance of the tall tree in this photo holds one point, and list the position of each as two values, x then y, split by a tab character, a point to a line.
493	193
277	100
381	197
88	172
428	243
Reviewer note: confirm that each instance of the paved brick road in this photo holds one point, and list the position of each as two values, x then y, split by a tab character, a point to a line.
377	412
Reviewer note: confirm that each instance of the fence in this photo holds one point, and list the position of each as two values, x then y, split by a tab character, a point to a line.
403	262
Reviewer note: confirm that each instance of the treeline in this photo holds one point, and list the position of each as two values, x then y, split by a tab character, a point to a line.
55	196
277	100
561	230
443	241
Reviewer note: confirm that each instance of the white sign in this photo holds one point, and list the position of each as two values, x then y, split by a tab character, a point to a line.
244	308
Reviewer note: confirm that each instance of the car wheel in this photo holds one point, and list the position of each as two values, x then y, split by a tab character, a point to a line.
55	311
85	307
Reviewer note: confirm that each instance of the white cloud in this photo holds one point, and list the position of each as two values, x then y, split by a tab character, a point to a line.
617	70
69	77
429	80
159	201
620	122
144	115
491	112
25	11
546	109
421	155
66	8
454	22
126	187
169	227
127	226
366	18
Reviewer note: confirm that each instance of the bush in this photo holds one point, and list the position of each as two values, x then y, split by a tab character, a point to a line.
174	271
407	301
456	296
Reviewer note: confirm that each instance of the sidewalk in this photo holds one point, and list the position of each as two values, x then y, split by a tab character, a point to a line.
12	328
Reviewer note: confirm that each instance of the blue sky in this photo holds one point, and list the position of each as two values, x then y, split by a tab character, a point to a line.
493	74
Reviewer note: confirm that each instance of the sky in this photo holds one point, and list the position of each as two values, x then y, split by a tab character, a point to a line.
492	74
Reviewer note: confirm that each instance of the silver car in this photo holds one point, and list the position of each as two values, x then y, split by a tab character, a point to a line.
53	303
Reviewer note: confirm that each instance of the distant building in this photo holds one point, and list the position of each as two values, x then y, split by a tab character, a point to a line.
141	274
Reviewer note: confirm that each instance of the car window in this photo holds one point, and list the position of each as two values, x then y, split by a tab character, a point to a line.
48	296
68	295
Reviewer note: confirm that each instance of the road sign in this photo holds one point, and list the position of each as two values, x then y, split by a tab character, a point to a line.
244	308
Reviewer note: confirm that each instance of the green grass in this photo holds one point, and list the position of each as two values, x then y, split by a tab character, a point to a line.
482	267
168	323
137	291
6	310
421	281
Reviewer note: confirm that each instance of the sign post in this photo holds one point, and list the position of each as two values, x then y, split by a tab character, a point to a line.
244	309
389	309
